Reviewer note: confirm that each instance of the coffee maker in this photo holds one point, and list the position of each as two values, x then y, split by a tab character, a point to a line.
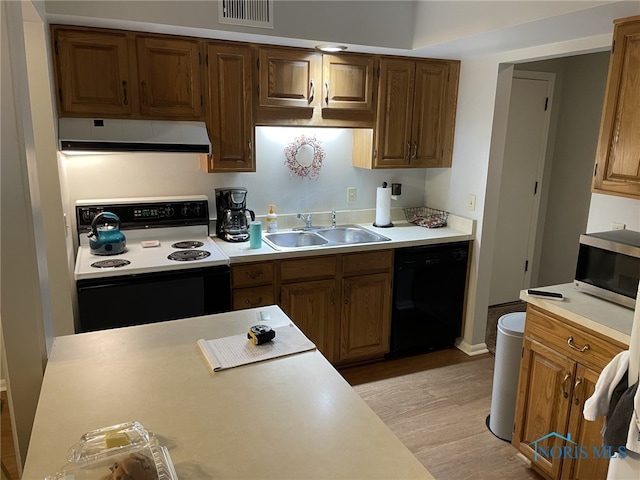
232	223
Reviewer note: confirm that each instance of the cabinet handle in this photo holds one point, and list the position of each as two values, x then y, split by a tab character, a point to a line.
250	150
576	400
125	99
253	274
567	376
144	93
415	150
408	150
333	296
326	87
253	304
347	292
312	91
576	348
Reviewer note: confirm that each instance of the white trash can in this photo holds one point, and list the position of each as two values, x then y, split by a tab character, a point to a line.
505	374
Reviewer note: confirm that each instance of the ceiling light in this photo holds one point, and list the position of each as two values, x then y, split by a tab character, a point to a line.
331	48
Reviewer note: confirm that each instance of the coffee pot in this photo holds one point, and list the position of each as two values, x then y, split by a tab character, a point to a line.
105	237
233	218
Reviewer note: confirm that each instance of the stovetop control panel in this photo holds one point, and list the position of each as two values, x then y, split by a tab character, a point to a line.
146	214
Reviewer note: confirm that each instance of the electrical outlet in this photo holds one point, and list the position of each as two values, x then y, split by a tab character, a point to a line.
351	194
471	203
618	226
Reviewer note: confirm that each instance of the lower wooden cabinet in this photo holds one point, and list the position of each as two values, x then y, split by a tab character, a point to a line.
312	307
341	302
560	366
365	319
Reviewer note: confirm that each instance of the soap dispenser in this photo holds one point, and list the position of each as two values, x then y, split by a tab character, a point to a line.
272	220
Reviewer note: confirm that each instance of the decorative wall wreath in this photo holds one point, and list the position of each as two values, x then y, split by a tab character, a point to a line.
304	156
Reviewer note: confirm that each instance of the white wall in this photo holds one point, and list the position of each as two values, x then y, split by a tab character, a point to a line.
606	209
472	170
440	22
135	175
21	300
357	22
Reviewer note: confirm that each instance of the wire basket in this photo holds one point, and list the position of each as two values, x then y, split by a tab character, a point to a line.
426	217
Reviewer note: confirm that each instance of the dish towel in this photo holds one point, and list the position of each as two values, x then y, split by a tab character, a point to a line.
619	419
598	403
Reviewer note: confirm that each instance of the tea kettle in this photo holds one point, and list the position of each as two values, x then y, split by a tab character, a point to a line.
105	237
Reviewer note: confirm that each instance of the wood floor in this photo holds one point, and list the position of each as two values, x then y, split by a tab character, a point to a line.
437	404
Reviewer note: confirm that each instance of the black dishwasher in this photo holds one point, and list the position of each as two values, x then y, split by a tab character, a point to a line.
428	297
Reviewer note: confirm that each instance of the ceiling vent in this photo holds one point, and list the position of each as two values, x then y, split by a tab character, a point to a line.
249	13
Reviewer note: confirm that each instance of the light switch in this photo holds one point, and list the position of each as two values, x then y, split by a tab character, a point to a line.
471	203
351	194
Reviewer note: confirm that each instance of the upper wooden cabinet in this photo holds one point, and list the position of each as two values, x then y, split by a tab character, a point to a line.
415	115
348	82
93	72
229	112
169	76
111	73
289	78
617	168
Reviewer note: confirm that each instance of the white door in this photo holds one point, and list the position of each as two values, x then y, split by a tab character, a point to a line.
520	185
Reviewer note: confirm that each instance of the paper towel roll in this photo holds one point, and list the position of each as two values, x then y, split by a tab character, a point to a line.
383	207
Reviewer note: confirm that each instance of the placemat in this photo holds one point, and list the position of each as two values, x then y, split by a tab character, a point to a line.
229	352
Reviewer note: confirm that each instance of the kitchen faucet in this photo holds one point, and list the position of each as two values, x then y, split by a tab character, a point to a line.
307	219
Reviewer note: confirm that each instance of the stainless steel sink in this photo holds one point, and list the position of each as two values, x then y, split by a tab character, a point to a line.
322	236
350	234
294	239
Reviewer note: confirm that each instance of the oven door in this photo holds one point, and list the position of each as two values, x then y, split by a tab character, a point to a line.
154	297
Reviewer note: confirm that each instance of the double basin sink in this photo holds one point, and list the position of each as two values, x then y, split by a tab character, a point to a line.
322	236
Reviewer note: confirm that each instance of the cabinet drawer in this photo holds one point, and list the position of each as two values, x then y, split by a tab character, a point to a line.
253	297
357	263
252	274
307	268
550	330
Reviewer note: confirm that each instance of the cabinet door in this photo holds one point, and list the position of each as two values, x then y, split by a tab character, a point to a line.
584	433
544	399
366	316
92	72
169	78
392	135
230	119
617	169
429	113
289	78
312	307
348	82
253	297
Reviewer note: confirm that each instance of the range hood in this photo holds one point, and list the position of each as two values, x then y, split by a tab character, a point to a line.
115	135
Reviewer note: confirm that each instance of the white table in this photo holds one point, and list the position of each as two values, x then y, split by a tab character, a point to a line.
293	417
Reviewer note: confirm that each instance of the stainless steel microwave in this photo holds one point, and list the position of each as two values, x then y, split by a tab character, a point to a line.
609	266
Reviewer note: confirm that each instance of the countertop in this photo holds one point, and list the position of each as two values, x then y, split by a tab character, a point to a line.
585	310
292	417
402	234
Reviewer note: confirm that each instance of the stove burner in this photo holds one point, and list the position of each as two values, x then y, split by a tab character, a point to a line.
188	244
114	263
188	255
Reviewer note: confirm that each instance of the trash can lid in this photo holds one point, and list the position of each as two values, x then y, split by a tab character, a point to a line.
512	323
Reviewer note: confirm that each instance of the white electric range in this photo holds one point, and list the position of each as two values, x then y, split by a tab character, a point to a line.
170	268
